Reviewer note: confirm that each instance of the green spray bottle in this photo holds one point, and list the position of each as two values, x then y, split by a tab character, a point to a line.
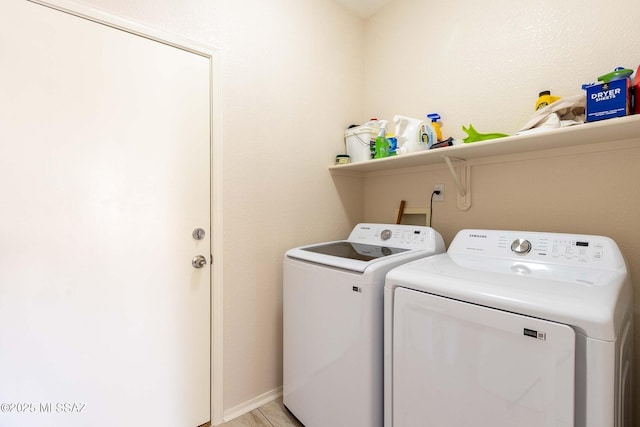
382	145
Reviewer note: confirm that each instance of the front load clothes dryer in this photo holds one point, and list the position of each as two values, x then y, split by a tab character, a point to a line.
510	329
333	322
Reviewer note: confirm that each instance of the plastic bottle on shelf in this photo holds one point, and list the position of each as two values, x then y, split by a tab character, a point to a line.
435	123
393	145
382	145
545	98
373	122
428	135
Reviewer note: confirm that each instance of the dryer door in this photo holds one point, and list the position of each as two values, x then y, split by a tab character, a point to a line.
458	364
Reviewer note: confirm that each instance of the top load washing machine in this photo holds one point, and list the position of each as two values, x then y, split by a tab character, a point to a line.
510	328
333	322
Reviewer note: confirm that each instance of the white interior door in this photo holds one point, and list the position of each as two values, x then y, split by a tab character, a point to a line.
104	174
457	364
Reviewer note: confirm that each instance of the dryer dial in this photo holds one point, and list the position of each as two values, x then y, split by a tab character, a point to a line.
521	246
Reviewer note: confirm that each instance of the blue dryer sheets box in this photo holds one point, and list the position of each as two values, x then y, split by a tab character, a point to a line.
607	100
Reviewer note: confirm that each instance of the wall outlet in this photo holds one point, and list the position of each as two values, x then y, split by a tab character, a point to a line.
438	197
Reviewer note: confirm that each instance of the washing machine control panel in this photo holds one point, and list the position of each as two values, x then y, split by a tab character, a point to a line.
555	248
394	235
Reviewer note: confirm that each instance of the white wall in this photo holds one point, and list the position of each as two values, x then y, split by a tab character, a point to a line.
484	63
292	82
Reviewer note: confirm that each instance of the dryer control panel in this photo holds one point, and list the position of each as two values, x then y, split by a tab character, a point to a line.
556	248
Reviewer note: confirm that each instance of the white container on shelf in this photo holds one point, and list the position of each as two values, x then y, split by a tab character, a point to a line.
410	131
357	142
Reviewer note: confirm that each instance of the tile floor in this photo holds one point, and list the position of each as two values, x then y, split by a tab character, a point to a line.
272	414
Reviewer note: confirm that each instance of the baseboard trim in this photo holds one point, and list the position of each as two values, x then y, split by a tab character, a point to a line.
252	404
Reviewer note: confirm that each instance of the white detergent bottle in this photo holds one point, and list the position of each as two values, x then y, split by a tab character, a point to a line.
409	135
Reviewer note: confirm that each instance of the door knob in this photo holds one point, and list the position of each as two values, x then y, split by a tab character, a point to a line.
199	261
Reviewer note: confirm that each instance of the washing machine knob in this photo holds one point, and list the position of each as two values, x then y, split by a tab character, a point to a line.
521	246
386	234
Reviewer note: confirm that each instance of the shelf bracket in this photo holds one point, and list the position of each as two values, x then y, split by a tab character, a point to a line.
462	181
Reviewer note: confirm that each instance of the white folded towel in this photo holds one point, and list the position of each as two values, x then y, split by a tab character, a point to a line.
567	111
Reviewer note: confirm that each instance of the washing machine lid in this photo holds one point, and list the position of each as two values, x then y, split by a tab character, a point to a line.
372	244
344	254
355	251
588	295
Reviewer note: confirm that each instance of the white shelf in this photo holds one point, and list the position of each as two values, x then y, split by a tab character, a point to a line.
610	130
